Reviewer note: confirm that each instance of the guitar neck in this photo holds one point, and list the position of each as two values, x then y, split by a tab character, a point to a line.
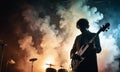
83	49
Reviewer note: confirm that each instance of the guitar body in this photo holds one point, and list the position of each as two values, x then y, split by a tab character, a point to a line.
75	63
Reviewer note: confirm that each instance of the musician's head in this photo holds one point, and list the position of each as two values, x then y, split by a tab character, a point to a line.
82	24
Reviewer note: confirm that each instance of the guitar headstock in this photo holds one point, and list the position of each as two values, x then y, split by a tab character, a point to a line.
105	27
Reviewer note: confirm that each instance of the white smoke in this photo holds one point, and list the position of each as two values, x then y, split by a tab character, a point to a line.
109	51
109	47
56	44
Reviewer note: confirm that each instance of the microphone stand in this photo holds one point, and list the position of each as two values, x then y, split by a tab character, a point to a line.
2	45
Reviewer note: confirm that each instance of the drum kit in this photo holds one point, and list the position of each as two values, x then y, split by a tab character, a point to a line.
62	69
50	69
32	60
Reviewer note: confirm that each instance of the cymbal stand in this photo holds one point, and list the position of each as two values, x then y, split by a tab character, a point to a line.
32	60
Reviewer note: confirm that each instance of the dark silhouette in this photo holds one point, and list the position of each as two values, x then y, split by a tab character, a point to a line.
89	64
50	69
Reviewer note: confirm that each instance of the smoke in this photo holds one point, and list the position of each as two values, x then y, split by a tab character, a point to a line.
107	56
51	43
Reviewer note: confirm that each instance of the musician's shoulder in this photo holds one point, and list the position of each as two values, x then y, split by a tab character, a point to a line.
78	36
92	33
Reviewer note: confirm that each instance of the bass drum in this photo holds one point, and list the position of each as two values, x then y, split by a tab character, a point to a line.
62	70
51	70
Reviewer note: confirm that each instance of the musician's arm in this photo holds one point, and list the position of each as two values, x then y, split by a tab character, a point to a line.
72	53
97	45
73	50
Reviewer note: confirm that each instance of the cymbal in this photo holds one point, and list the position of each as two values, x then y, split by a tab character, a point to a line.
50	65
33	59
61	66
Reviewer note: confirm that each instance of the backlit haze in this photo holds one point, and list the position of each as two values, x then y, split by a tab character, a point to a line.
50	37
